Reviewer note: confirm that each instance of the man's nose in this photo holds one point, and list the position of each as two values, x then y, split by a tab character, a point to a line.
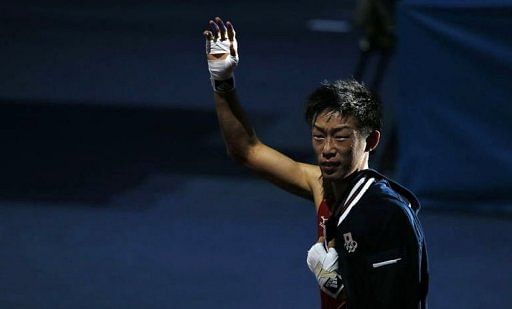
328	151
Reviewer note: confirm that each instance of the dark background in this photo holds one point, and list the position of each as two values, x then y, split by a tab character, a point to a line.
115	187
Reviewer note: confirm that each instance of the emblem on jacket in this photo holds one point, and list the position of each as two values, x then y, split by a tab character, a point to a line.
350	244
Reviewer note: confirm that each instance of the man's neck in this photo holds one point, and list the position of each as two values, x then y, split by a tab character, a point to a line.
341	187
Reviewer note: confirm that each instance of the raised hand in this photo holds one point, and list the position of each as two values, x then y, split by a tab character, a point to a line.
221	53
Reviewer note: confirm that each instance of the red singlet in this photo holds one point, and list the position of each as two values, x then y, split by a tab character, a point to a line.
328	302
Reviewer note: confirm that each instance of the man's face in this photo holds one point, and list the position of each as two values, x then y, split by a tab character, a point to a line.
338	145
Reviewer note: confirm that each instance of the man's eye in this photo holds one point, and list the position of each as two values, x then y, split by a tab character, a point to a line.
339	137
318	137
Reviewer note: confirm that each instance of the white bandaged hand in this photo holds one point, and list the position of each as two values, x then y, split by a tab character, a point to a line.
324	265
221	69
222	55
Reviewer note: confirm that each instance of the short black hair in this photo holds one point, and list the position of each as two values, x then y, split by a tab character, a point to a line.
349	98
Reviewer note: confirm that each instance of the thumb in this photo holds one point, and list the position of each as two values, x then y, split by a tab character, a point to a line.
233	46
233	49
332	243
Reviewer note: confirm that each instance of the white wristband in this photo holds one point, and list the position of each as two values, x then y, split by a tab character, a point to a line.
223	86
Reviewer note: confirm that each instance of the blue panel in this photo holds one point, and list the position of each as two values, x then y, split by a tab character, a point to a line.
457	3
454	109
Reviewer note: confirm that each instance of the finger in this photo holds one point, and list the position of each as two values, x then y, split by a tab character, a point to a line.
208	35
215	30
233	47
222	28
331	244
231	31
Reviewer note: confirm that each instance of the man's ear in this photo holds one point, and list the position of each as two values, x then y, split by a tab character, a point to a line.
372	141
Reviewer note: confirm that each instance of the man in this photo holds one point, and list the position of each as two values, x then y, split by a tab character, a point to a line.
345	122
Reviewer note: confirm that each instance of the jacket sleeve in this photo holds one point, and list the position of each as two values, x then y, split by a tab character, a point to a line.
395	269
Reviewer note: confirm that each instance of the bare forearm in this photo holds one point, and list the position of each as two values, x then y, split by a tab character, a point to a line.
241	141
238	134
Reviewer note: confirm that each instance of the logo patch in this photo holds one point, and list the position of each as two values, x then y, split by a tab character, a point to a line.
324	219
334	285
350	244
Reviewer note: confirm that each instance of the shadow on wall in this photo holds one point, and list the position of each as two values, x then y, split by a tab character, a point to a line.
87	153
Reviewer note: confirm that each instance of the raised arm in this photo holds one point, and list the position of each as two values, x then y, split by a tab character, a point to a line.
241	141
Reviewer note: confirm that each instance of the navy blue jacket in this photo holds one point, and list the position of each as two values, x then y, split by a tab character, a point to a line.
381	245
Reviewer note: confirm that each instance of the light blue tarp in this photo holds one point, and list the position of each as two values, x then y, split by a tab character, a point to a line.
454	109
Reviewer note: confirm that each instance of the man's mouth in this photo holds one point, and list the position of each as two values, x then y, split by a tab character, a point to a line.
330	163
329	167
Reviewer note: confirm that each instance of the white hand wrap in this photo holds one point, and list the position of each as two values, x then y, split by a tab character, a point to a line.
221	70
324	265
